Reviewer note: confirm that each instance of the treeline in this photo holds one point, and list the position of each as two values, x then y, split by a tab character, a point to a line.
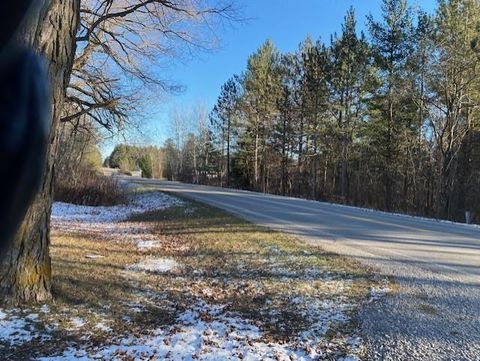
387	119
149	160
189	156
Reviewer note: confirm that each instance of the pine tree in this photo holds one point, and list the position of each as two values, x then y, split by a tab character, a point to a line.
392	42
261	84
315	102
284	132
349	75
225	117
418	150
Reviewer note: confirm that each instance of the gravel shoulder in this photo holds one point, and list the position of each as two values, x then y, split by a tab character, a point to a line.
430	314
431	317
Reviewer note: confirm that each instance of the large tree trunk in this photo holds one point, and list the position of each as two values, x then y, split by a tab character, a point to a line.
25	274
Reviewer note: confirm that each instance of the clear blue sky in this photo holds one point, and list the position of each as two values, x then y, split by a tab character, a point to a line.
286	22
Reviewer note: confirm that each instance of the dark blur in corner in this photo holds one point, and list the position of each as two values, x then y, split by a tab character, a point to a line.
24	126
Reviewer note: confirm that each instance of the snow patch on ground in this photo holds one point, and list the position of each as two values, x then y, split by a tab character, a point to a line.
109	223
77	322
203	332
209	332
17	330
154	265
323	313
138	203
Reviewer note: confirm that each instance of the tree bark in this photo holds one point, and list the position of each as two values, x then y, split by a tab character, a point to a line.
256	161
445	186
228	150
25	274
284	157
343	125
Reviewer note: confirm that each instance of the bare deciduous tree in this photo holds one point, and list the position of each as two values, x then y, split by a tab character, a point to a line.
111	49
123	47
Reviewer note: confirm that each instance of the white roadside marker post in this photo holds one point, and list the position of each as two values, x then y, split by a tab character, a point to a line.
468	217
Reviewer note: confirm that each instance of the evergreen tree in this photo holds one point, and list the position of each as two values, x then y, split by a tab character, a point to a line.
349	76
392	43
225	117
261	84
314	104
418	150
284	132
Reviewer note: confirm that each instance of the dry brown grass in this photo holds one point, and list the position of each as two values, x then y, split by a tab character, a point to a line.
225	260
87	187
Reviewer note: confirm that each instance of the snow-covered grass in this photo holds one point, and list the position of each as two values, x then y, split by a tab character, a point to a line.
139	203
18	328
163	278
77	322
208	332
110	223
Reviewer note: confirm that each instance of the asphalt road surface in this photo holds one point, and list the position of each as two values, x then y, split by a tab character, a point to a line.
434	314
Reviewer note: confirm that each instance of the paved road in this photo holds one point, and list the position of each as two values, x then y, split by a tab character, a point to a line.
435	315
